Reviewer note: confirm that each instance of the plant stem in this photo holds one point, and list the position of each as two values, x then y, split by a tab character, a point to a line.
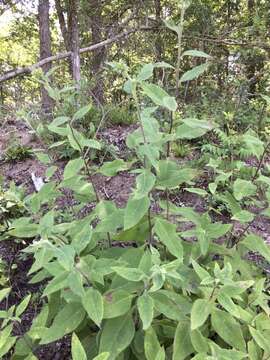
85	162
150	228
177	69
135	97
167	204
179	52
261	161
88	174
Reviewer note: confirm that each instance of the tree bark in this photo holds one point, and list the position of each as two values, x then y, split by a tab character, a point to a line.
73	27
45	49
251	66
158	40
62	23
99	55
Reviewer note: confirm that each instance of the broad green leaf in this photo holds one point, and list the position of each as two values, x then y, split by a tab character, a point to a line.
163	64
50	171
254	351
243	188
170	24
73	167
182	346
173	306
116	303
225	325
159	96
224	354
62	131
170	175
145	183
152	347
57	283
170	103
77	350
111	168
198	123
199	342
194	73
5	334
184	131
25	230
261	339
257	244
146	310
4	293
82	238
129	86
146	72
82	112
92	144
200	271
111	222
76	139
39	323
66	321
116	335
197	191
93	303
227	303
102	356
135	210
42	157
243	216
7	346
196	53
199	313
65	255
22	306
75	282
60	120
166	232
131	274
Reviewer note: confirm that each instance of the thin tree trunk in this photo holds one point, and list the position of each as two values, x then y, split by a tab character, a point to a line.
73	27
251	66
62	24
99	56
158	41
64	30
45	49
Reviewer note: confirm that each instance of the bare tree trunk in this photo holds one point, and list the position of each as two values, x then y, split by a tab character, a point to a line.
158	41
99	56
73	27
64	30
62	23
251	65
45	49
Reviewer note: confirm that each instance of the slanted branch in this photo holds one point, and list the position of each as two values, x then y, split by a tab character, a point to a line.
29	69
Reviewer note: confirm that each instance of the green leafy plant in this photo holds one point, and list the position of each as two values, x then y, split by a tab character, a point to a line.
168	293
17	152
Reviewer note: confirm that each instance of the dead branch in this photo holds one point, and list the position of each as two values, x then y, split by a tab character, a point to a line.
29	69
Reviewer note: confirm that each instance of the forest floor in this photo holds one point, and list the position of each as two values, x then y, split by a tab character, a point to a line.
117	189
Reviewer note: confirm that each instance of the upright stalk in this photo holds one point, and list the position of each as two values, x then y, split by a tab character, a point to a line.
179	50
177	68
135	97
